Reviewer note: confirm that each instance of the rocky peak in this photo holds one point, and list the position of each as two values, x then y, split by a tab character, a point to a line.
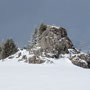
52	41
55	40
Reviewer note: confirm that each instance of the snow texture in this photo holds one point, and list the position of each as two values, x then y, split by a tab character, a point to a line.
62	75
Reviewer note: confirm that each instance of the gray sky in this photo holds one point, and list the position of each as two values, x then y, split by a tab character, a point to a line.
18	17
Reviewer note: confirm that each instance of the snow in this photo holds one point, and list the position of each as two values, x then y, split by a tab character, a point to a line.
62	75
37	48
53	26
61	39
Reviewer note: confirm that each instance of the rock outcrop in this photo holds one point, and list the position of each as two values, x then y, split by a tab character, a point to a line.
81	59
55	41
52	42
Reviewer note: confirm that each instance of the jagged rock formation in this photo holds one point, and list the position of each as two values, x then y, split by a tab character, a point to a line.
52	42
49	43
81	59
55	41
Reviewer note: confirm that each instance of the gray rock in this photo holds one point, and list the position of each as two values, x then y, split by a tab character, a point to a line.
35	60
55	41
80	63
19	54
24	57
82	60
11	57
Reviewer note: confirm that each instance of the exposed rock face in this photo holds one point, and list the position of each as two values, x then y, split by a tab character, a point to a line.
35	60
54	41
82	60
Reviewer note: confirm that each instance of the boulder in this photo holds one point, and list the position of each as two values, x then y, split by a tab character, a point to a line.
35	60
82	60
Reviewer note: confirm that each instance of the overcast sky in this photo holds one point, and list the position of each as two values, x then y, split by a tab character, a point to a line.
18	17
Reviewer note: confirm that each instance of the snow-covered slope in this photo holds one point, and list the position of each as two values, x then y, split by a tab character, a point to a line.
61	75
